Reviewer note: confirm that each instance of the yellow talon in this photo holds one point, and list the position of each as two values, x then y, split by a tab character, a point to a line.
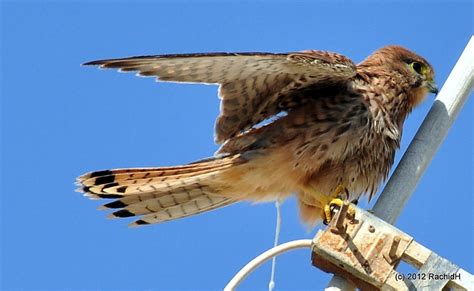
328	202
327	209
335	202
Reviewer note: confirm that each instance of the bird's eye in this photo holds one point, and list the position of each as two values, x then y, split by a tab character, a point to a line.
417	67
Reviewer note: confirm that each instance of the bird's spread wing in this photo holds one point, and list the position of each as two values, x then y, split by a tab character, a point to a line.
253	86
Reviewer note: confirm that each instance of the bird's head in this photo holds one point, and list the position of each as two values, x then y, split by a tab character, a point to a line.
413	71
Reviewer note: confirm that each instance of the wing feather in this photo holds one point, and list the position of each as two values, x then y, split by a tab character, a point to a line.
253	86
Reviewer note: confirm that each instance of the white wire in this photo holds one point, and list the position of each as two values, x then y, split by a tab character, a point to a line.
271	284
262	258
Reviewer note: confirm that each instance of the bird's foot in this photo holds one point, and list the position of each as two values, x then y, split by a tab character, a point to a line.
334	203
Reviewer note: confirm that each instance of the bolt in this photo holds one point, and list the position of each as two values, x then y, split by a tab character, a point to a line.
393	249
371	228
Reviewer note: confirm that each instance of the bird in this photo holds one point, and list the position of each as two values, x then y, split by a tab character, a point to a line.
311	123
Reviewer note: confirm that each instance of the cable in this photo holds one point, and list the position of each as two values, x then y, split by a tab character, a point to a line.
271	284
252	265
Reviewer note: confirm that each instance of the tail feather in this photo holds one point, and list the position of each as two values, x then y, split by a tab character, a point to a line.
156	204
109	176
161	194
131	186
125	188
195	206
191	190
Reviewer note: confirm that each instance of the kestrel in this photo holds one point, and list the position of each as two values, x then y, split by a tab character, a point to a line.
309	123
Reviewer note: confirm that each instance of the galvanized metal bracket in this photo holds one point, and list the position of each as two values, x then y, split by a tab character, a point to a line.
367	250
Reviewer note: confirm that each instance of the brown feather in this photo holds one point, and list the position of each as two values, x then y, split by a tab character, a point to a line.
252	84
341	126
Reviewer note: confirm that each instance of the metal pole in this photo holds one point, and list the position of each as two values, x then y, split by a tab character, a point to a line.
339	283
426	142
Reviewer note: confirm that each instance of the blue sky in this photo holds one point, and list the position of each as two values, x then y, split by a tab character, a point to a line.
59	120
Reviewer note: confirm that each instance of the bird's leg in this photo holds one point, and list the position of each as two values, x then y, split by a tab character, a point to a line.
328	203
334	201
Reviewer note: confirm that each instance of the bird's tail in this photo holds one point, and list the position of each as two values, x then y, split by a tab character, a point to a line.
161	194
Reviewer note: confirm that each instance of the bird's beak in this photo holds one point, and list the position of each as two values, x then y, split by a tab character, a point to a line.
431	86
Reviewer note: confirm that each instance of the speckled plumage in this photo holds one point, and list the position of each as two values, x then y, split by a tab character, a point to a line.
331	123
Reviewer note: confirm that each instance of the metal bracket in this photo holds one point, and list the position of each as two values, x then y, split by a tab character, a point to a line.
367	250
